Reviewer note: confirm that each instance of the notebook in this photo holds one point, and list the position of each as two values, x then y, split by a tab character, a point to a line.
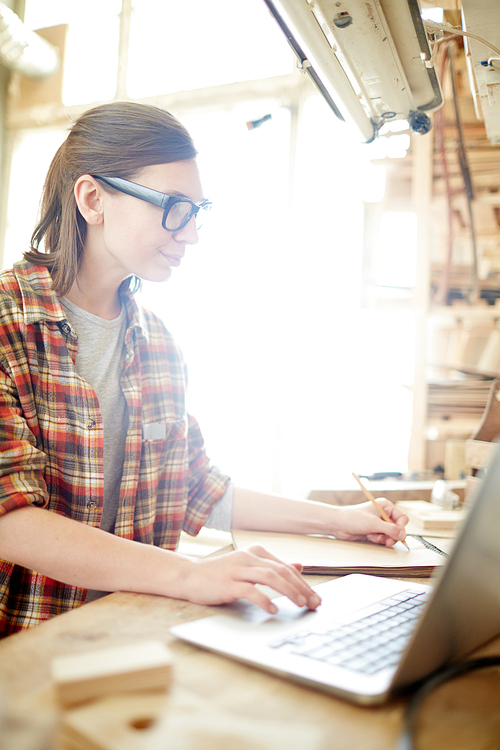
407	630
326	555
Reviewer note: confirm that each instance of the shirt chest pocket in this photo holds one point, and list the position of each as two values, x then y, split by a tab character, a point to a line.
164	448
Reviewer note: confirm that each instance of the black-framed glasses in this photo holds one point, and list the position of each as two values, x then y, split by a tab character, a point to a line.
177	209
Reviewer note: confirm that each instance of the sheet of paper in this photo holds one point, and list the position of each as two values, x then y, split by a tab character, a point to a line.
320	554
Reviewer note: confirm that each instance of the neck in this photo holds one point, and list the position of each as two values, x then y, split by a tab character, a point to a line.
96	287
95	294
91	301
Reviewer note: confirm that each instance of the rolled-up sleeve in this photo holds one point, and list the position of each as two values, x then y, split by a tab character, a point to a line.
21	463
207	484
221	515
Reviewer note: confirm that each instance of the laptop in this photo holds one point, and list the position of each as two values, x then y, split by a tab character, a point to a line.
372	637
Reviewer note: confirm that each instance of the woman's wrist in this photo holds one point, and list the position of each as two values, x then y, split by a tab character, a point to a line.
321	518
157	571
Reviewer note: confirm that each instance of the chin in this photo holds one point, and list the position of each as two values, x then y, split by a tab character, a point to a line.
163	276
155	276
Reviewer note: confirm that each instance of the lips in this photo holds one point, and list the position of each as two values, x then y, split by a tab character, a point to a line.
174	260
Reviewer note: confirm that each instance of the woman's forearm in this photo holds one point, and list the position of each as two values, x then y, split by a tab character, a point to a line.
83	556
259	511
266	512
86	557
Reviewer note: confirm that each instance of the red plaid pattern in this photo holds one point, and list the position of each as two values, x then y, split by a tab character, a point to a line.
51	437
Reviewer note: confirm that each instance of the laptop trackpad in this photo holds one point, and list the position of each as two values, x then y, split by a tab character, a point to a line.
341	598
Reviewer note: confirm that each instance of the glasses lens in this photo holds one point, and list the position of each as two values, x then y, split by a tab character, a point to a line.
181	212
178	215
202	214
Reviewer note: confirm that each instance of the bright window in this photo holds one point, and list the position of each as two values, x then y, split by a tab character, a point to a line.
176	46
396	258
32	154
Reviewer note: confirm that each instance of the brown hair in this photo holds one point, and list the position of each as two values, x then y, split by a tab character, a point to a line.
113	140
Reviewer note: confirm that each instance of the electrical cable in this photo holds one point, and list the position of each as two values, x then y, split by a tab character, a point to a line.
433	26
444	285
474	294
469	191
406	739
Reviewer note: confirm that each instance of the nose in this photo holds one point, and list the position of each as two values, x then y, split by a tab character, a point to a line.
188	234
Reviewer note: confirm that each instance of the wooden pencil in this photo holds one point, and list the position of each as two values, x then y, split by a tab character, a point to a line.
370	497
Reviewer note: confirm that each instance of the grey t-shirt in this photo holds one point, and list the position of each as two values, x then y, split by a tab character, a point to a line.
99	361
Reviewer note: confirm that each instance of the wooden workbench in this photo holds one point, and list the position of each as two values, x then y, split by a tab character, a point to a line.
462	714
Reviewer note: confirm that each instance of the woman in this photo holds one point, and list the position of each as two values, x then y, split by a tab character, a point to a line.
93	421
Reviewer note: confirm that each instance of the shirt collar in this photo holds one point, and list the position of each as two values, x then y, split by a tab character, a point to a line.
135	314
39	300
41	303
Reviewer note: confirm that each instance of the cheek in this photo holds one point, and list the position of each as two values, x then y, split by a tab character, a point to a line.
133	230
123	228
126	219
123	213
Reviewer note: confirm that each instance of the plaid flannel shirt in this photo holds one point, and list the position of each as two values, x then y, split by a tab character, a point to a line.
51	437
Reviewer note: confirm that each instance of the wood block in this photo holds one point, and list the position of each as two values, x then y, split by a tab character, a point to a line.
119	723
139	667
431	517
478	453
471	485
454	459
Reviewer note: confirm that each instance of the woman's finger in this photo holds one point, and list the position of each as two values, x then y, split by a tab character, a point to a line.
284	578
395	514
302	596
295	569
259	551
252	594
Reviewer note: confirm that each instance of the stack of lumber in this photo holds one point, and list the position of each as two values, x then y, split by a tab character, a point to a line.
457	398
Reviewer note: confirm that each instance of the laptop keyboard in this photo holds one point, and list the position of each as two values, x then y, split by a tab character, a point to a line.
373	642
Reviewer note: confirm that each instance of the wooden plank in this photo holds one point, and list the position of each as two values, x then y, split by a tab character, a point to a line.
478	453
421	195
137	667
117	723
430	517
471	485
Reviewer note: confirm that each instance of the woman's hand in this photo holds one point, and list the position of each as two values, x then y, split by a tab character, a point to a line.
235	575
257	511
363	522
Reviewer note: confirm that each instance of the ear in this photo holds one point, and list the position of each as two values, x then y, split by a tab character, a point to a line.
88	195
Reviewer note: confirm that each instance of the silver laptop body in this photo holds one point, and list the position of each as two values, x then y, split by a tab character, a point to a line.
459	613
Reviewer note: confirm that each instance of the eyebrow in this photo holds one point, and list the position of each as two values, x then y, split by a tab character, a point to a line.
179	194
